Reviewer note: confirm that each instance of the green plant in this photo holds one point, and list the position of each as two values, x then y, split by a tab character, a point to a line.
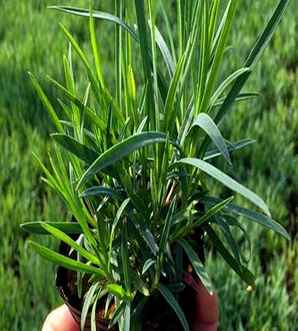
132	171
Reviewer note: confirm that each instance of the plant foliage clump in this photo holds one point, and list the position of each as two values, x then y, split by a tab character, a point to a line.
132	157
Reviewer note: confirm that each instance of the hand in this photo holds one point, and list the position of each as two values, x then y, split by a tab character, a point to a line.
61	319
207	312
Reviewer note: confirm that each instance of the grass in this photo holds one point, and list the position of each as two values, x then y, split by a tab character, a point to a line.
31	40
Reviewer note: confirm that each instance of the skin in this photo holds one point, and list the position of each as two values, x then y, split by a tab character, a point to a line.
60	319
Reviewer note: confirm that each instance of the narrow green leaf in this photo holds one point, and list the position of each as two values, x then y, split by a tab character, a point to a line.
97	15
73	146
170	299
88	300
121	150
226	83
166	228
254	55
46	103
241	270
142	125
219	51
94	45
166	54
125	258
117	314
89	114
68	94
146	60
231	148
232	221
245	96
117	290
126	316
205	122
93	316
225	180
118	21
100	190
66	227
65	261
197	265
254	216
267	33
148	263
72	243
146	235
100	93
229	238
213	211
118	216
172	92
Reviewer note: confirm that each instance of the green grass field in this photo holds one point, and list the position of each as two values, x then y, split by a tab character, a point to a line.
30	40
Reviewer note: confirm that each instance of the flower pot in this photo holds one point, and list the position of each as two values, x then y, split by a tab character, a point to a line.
157	315
65	283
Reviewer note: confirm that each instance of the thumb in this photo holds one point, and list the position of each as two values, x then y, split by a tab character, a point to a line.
60	319
207	312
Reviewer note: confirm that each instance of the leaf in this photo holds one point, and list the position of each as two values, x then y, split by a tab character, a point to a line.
125	257
146	235
254	55
121	150
72	243
118	21
66	227
267	33
73	146
64	260
254	216
146	59
231	148
126	316
68	94
166	54
88	299
197	265
117	314
205	122
242	271
219	51
240	98
140	285
225	180
229	238
172	92
98	15
166	228
142	124
232	221
100	190
213	211
170	299
229	80
117	290
93	315
148	263
89	114
94	45
114	226
46	103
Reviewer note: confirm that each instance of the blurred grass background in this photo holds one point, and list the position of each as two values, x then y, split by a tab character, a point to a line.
30	39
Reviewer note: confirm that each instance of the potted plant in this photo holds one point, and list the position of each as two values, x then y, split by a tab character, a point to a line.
132	164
